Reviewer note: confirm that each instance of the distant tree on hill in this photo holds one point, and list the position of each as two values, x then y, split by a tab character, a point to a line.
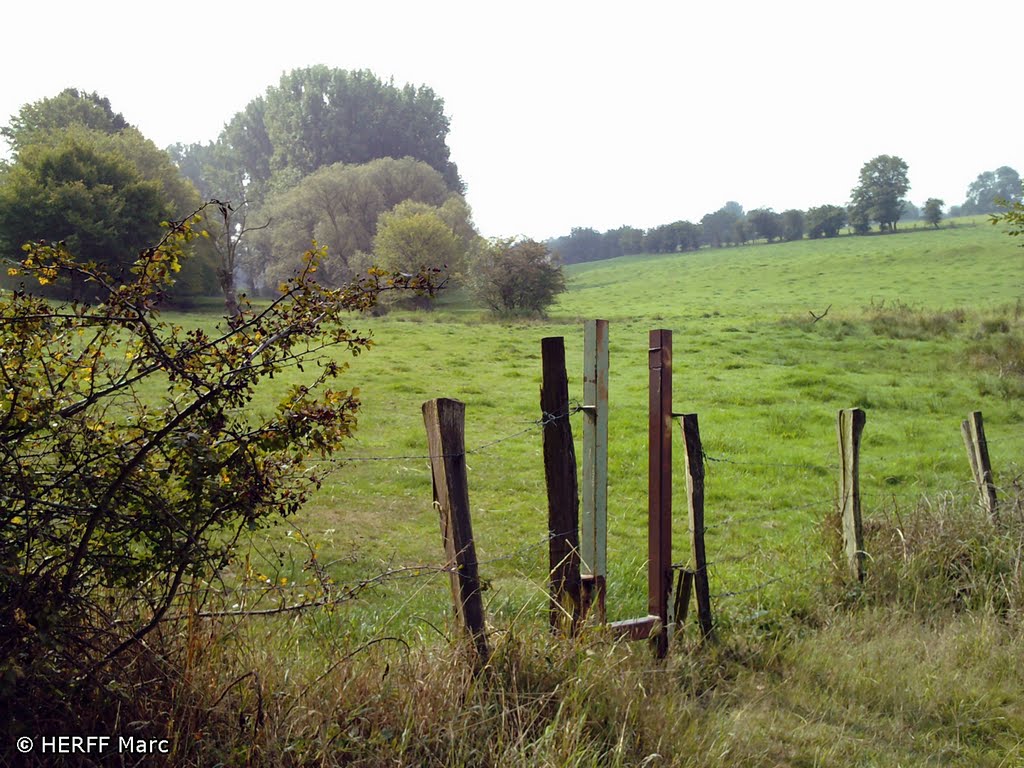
582	244
630	239
825	221
793	224
766	223
690	235
743	232
982	195
659	239
587	244
880	194
517	277
674	237
933	211
719	228
859	219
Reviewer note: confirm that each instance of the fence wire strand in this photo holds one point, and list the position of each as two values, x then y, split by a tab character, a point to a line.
547	418
785	514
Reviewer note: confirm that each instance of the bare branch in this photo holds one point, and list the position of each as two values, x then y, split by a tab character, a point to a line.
818	317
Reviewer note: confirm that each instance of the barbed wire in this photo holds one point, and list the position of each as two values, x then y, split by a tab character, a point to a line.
547	418
792	465
767	583
777	514
335	593
345	591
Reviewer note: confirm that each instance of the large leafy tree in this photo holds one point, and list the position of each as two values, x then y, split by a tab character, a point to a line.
415	237
933	211
985	192
80	174
720	227
879	195
339	205
794	224
103	194
825	221
320	116
766	223
38	120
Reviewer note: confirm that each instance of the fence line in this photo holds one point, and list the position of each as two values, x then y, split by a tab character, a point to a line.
733	519
794	465
534	425
764	584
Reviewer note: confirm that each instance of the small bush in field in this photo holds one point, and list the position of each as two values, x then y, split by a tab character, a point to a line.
517	277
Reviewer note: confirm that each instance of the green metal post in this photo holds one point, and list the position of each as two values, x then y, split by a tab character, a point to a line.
594	529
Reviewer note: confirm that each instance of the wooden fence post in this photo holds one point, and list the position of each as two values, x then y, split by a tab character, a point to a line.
659	486
695	502
850	426
594	534
445	423
563	496
973	430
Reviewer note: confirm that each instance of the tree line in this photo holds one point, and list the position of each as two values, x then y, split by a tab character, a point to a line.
878	199
355	163
339	158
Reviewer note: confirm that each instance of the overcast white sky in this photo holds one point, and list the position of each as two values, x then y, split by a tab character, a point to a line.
592	114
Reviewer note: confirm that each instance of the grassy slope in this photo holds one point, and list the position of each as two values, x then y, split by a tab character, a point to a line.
765	380
911	315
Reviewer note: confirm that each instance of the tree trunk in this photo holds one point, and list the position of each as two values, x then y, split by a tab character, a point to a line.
227	286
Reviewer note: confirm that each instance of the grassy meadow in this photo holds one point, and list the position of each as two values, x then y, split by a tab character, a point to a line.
916	325
919	667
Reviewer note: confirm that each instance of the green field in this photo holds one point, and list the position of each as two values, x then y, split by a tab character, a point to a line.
913	320
917	668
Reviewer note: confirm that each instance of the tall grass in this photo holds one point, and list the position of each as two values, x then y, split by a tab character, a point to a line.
917	666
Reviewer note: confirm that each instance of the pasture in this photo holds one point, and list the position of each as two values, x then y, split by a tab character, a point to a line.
917	669
915	320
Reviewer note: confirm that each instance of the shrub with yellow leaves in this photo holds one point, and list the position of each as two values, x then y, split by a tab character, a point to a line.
114	499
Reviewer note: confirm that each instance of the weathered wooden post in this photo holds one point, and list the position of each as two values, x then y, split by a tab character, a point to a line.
681	602
695	503
659	486
445	423
850	426
594	534
973	430
563	496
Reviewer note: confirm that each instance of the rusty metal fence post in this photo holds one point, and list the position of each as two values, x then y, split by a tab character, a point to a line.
659	548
